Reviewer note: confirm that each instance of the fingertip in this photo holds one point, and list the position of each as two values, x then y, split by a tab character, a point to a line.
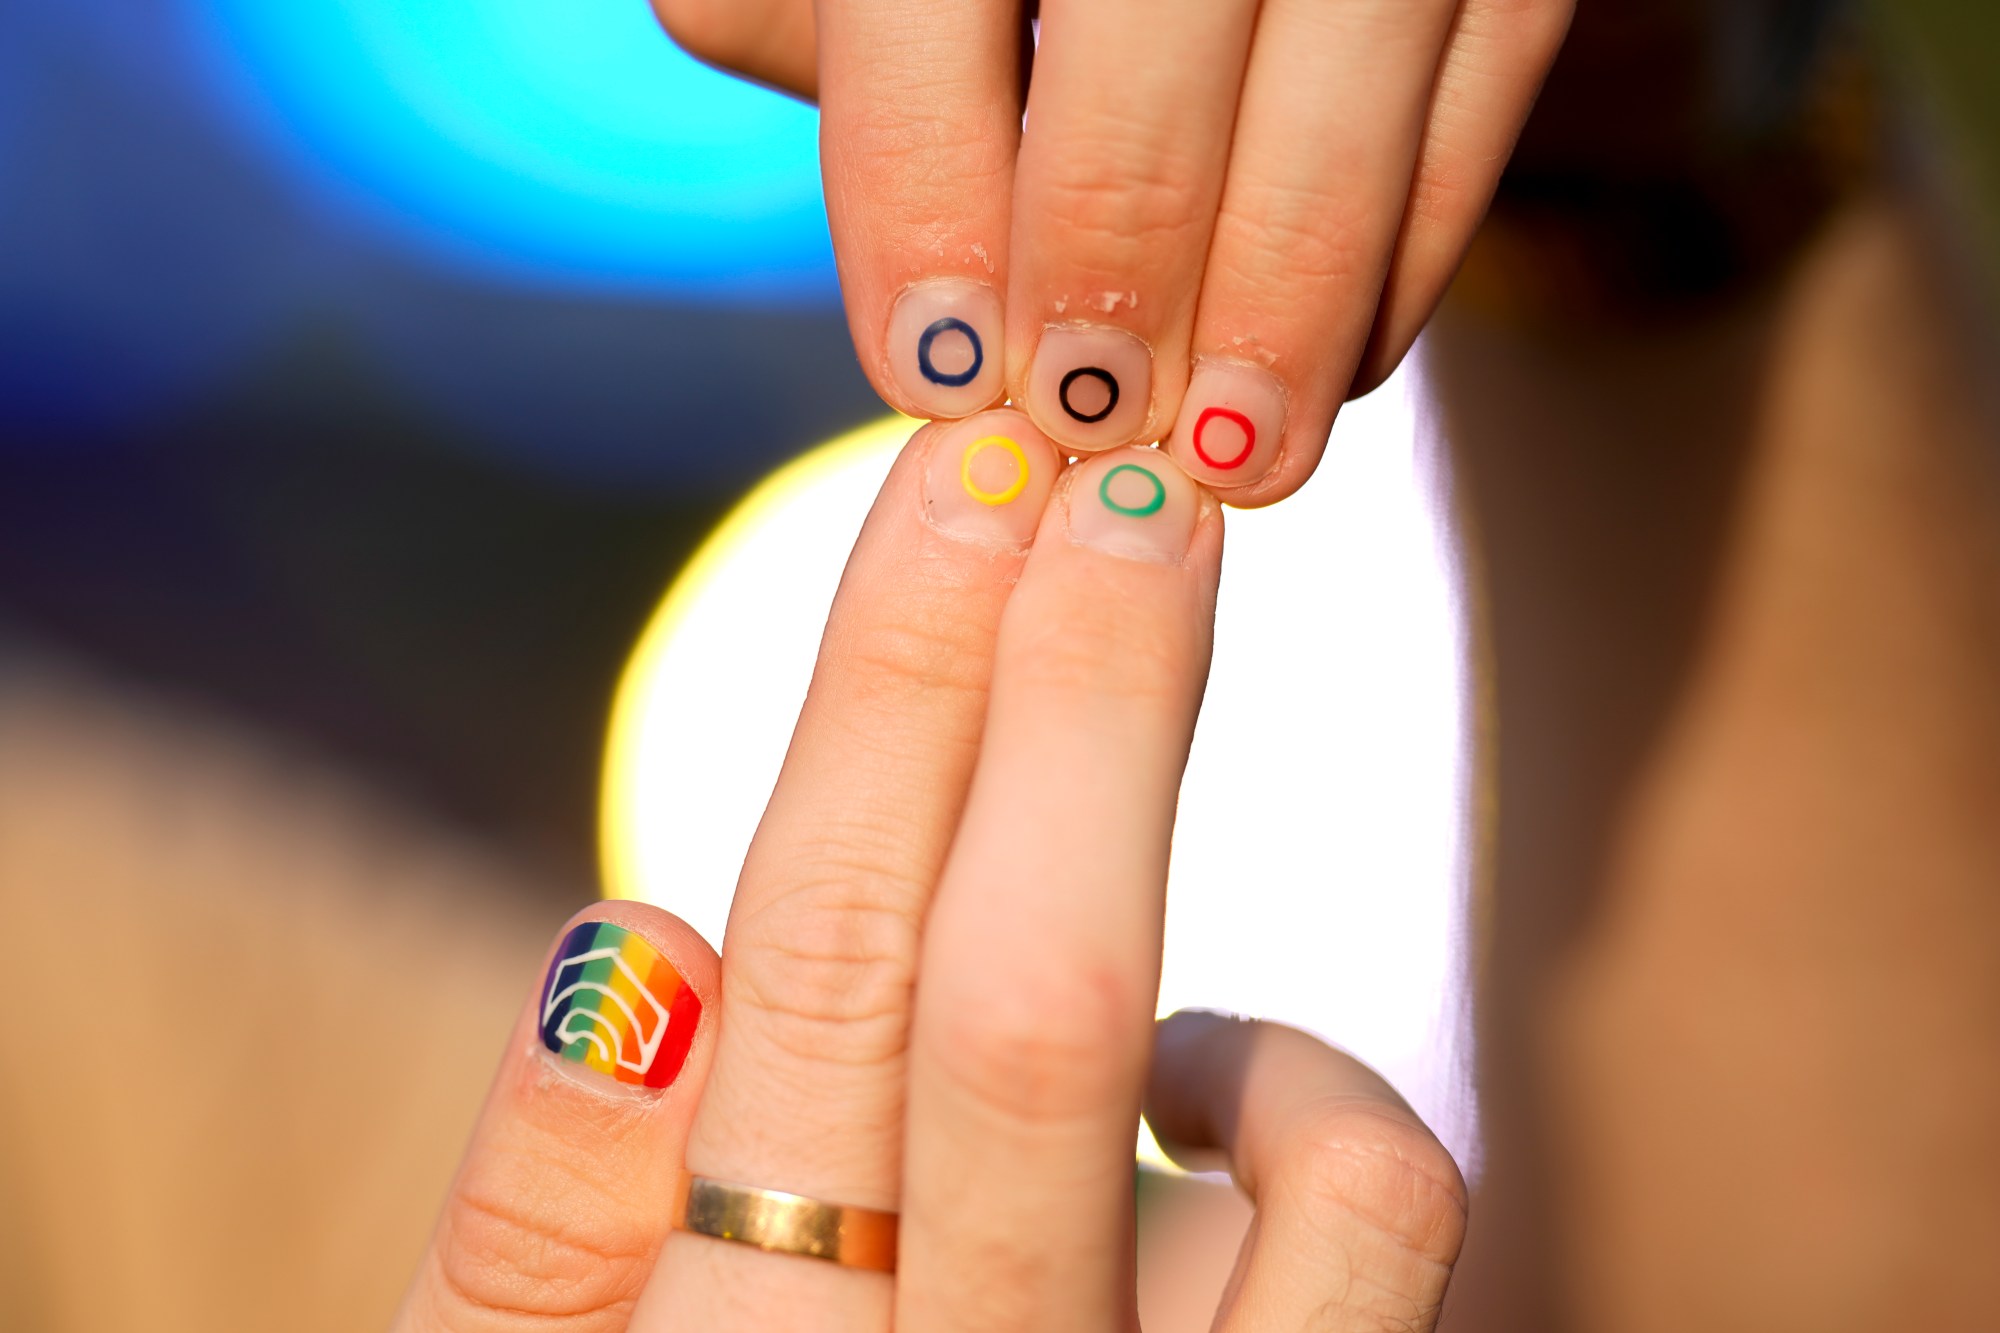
988	478
1090	386
680	943
1231	425
944	352
1135	503
1184	1044
624	994
1298	457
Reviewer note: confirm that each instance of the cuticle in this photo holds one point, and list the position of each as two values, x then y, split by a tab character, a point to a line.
1220	359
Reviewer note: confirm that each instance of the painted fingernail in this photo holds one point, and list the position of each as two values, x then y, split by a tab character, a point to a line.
944	347
1133	503
989	477
1091	387
1230	424
614	1003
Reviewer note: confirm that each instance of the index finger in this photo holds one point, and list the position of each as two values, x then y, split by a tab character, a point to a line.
920	108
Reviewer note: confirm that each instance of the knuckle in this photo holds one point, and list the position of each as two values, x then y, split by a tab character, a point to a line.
824	973
1044	1053
1119	653
501	1260
889	665
1449	191
1288	237
1349	1163
907	121
1151	206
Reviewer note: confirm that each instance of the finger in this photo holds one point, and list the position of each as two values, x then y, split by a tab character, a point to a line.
1115	195
1041	959
1494	63
1360	1210
561	1203
920	117
770	41
821	953
1326	139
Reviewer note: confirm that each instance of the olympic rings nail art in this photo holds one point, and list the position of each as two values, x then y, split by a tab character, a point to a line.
1007	494
1151	506
1098	373
1242	422
928	367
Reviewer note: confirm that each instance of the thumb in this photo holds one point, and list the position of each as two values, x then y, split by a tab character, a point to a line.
564	1196
1360	1210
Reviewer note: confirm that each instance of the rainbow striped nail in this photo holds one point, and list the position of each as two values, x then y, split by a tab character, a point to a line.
616	1005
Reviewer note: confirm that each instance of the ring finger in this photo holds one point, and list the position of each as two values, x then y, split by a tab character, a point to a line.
1333	112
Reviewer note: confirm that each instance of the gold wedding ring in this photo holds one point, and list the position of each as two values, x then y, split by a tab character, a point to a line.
787	1223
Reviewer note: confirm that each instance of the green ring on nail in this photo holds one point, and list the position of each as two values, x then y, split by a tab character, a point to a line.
1152	506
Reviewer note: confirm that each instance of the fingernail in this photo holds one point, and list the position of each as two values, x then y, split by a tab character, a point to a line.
614	1003
1091	388
944	347
989	477
1133	503
1230	424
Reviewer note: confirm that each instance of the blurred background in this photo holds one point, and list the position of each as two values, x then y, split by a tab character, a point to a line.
368	371
372	368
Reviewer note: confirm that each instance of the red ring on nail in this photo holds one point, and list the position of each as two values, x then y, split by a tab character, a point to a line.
1249	437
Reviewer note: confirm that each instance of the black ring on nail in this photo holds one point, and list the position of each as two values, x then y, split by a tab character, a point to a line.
1096	373
947	325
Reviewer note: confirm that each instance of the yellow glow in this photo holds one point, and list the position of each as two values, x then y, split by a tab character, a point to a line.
640	687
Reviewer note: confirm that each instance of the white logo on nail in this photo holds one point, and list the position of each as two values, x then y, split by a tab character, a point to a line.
572	1028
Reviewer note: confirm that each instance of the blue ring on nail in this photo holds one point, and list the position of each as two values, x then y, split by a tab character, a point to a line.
1110	382
949	324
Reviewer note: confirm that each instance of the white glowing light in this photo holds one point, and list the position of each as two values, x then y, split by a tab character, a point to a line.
1319	861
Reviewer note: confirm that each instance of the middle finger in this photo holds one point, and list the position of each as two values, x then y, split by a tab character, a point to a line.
1115	193
1042	955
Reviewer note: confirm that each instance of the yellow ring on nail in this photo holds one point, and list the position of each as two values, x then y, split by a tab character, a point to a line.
994	498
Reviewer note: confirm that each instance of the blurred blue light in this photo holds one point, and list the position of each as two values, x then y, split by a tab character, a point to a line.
550	141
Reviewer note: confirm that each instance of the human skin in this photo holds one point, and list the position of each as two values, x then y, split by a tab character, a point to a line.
937	990
1734	569
1225	216
1740	1002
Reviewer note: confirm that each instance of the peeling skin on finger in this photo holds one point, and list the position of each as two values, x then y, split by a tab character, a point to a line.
1249	346
1110	301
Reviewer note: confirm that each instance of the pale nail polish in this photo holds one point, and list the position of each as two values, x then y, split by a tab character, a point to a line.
1133	503
989	478
1091	387
945	347
1230	425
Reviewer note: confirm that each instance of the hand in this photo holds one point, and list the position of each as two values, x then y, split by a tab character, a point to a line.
1223	217
936	994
